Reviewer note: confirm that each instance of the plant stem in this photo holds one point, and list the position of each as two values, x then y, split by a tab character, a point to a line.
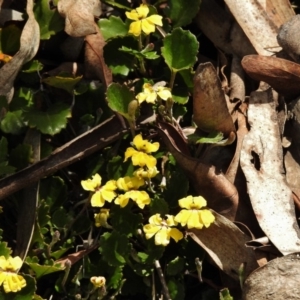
172	79
141	60
162	280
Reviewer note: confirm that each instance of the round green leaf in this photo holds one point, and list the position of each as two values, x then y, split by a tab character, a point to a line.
12	122
180	49
113	27
182	12
51	121
118	98
66	83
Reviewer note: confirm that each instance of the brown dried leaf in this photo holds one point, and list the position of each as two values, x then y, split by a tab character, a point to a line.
94	60
208	182
262	164
79	16
282	75
209	103
277	280
29	43
225	244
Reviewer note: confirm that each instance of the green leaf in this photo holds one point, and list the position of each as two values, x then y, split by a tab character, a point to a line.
175	266
61	218
176	289
182	12
10	39
63	81
123	4
211	138
23	97
49	20
119	61
113	27
51	121
180	94
21	156
6	169
158	206
4	250
42	270
225	295
43	213
117	168
118	98
140	54
32	67
115	248
124	221
180	49
12	122
26	293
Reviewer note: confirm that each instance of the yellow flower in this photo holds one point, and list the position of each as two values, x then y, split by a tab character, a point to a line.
128	183
12	282
142	22
98	281
140	157
193	216
146	173
130	186
162	229
101	218
102	194
150	93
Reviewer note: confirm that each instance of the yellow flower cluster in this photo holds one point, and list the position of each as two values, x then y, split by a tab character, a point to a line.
191	216
142	23
11	281
151	93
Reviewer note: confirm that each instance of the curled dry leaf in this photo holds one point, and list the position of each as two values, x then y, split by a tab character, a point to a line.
277	280
262	164
282	75
79	15
29	43
225	244
208	182
255	22
209	103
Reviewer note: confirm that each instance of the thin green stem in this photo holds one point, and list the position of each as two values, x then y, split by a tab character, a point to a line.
141	60
172	79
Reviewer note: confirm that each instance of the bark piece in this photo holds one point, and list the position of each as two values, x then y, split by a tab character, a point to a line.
225	244
277	280
281	74
262	164
256	24
209	103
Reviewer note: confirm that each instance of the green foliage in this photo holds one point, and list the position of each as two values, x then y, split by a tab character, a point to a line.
10	39
113	27
63	81
180	49
182	12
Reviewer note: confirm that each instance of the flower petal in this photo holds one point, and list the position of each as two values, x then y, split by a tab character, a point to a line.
176	234
199	202
186	202
147	27
150	230
92	184
97	200
183	216
164	93
129	153
156	220
135	28
108	195
122	200
140	197
194	220
206	217
143	11
133	15
155	19
162	237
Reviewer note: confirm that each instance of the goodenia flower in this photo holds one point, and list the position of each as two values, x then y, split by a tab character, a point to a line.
11	281
102	193
101	218
140	157
162	230
130	186
98	281
146	173
150	93
192	215
142	23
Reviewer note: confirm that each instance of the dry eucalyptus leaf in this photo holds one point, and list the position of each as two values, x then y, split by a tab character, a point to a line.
29	43
255	22
289	37
262	164
79	15
277	280
281	74
225	244
209	103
